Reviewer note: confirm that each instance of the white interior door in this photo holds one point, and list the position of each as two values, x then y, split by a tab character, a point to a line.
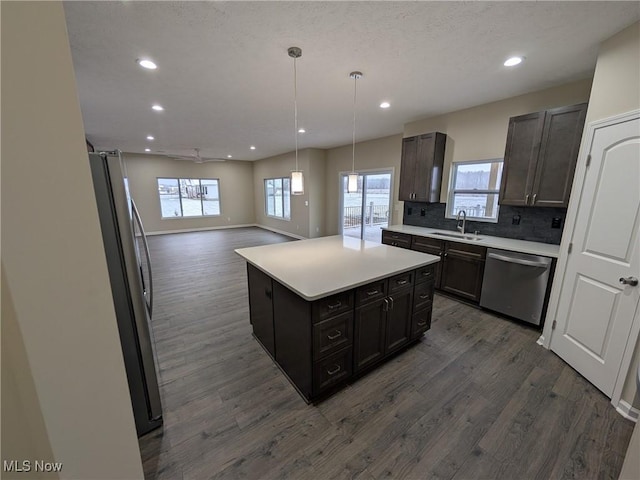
598	299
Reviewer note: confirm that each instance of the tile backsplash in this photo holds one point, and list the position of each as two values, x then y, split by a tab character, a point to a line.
535	222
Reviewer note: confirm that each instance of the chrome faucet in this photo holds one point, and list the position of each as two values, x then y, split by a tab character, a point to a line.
464	219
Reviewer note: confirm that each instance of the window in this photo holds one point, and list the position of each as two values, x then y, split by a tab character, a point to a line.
277	197
474	189
189	197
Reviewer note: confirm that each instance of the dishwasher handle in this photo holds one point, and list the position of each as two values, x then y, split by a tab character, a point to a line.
519	261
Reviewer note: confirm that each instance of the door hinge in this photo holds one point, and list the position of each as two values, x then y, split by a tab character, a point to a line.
570	248
553	325
588	160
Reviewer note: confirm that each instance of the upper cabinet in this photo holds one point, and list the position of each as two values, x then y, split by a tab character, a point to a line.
540	157
421	167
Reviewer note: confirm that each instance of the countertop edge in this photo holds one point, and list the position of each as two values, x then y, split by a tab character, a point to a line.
313	298
502	243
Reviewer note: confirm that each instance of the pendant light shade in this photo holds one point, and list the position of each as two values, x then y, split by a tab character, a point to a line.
297	183
297	179
352	182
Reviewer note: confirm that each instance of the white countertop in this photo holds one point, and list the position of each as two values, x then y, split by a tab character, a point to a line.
320	267
522	246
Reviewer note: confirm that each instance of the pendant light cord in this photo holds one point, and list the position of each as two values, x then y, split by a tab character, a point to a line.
295	106
353	150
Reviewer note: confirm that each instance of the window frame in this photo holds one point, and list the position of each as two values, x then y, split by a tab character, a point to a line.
180	196
284	197
452	191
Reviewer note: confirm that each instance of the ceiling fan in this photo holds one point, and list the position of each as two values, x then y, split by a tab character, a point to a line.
196	158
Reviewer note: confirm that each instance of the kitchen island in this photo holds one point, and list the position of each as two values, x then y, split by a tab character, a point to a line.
329	309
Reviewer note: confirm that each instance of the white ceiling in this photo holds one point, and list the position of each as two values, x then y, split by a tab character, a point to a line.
226	81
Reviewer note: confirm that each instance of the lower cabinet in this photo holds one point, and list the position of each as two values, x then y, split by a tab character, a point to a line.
320	345
462	270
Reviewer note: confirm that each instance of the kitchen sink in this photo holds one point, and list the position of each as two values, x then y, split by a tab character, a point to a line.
457	235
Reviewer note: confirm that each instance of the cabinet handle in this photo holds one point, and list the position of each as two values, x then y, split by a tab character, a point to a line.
385	307
426	273
371	293
446	254
424	296
334	371
526	199
421	324
402	282
533	202
334	336
338	304
391	298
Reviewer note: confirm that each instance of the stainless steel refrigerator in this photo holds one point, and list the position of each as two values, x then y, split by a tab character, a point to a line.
129	264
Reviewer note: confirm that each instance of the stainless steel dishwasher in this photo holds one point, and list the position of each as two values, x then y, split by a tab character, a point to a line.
515	284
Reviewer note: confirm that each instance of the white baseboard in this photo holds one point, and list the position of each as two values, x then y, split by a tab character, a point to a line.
203	229
628	411
281	232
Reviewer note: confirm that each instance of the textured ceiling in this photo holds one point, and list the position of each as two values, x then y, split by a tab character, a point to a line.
226	81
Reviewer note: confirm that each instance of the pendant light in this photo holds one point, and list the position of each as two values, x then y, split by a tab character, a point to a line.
297	180
352	179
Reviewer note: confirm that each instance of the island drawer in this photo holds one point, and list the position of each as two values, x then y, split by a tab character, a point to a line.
332	306
332	334
426	274
423	295
401	281
370	292
421	322
332	370
396	239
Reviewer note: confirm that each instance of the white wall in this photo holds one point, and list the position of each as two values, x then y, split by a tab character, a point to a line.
236	191
305	216
55	282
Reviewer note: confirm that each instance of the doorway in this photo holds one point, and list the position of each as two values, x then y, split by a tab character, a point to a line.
365	212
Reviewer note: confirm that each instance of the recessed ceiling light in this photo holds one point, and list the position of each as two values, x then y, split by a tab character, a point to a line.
150	137
385	105
513	61
146	63
147	149
301	130
157	108
229	156
252	147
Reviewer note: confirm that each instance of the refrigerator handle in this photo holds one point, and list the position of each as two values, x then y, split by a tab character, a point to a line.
136	215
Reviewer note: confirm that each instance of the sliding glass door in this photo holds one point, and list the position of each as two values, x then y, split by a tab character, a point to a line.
365	212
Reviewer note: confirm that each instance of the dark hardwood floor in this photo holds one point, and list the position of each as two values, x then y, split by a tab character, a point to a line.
477	398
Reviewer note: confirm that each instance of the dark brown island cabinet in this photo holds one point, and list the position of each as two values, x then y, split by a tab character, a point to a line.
421	167
323	344
540	157
461	268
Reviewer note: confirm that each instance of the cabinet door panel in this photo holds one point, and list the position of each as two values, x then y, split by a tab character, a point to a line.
520	157
558	156
261	307
408	168
369	338
462	276
424	163
399	319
